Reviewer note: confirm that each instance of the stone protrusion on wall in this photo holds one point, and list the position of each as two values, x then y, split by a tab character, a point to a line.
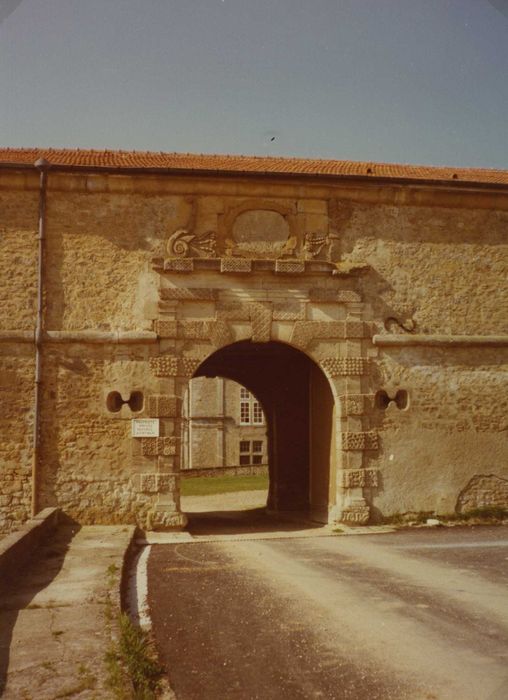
235	265
188	294
288	311
355	329
164	366
345	366
305	332
333	296
193	330
188	365
154	482
166	329
359	478
161	519
483	491
289	267
179	265
220	333
216	331
196	330
171	366
356	514
161	446
355	404
367	440
261	319
230	311
162	406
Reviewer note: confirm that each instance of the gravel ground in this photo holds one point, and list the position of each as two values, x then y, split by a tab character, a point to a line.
238	500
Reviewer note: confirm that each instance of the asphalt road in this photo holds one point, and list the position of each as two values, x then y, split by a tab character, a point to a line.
419	615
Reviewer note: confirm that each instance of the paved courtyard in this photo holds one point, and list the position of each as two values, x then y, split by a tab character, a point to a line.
418	614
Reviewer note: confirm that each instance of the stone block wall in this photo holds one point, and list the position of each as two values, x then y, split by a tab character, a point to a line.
19	203
16	426
18	288
454	426
89	460
442	268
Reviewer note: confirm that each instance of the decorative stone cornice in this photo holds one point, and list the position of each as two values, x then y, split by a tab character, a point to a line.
239	265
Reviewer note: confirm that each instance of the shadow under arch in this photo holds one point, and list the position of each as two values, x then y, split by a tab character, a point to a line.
299	407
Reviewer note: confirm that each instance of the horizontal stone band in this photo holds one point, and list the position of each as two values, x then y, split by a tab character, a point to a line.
84	336
440	340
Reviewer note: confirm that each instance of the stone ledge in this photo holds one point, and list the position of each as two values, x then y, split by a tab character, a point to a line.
16	548
17	336
80	336
439	340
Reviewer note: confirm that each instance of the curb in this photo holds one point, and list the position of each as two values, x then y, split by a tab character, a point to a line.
129	555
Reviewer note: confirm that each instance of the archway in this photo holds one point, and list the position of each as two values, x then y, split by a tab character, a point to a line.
299	407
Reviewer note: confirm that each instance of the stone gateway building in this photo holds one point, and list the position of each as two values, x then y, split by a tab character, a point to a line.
365	307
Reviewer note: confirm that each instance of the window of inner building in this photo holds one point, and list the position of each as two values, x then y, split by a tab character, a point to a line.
251	452
251	412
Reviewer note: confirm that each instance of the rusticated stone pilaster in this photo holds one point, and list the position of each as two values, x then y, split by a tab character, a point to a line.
161	446
356	514
171	366
155	482
162	406
345	366
368	440
356	478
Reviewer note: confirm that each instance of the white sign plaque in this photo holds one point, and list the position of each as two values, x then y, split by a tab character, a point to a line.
145	427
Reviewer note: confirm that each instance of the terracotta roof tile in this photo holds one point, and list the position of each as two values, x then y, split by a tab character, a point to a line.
247	165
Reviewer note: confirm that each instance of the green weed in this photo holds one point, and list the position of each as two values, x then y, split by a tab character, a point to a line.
132	658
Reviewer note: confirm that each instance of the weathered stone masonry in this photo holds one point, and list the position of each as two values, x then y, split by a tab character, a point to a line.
393	287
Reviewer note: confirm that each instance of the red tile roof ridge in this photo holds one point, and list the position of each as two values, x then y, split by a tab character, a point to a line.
245	164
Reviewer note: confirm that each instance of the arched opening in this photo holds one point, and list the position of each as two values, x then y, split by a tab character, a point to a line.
224	460
299	408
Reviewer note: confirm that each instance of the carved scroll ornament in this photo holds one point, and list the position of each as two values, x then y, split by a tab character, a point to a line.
183	244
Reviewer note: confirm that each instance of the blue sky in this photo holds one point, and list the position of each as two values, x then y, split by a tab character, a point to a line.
411	81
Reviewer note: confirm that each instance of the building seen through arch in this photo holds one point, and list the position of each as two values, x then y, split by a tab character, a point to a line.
223	427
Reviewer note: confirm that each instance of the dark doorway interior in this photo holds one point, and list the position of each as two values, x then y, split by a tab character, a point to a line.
298	405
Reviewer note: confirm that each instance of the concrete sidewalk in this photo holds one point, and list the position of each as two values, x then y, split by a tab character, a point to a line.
54	630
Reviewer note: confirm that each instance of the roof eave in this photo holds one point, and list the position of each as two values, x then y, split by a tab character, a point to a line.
251	174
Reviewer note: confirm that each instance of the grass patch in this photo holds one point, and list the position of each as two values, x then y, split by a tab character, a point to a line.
133	671
203	486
